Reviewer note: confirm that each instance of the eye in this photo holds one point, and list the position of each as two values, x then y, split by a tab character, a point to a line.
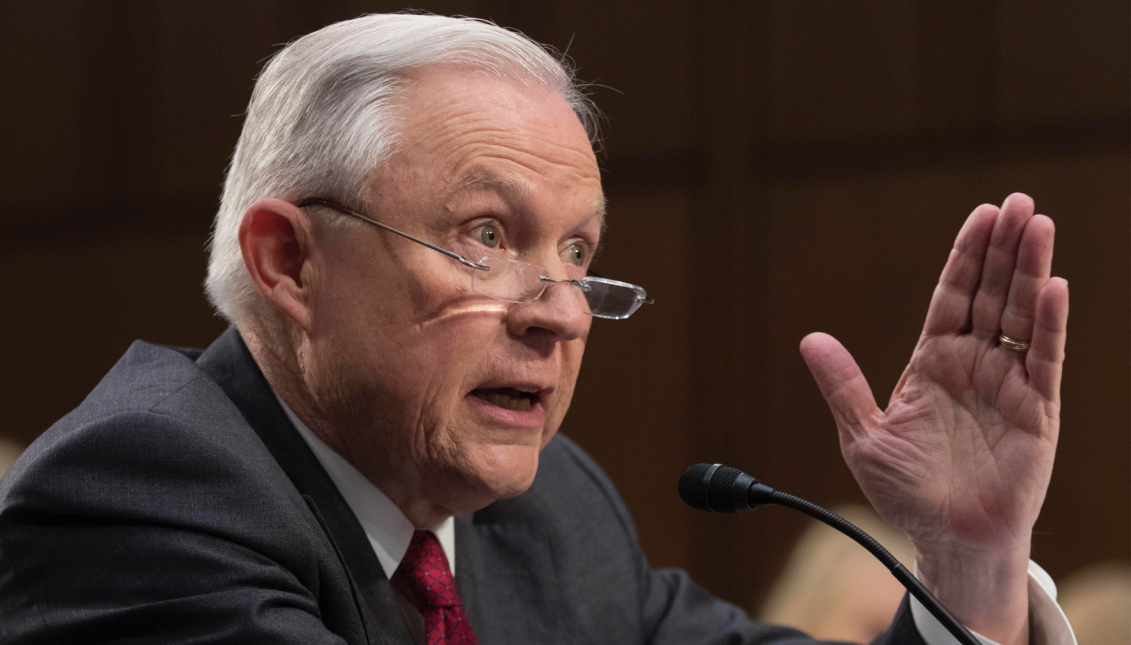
488	235
576	255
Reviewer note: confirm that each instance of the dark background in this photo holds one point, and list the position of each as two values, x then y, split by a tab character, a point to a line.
772	168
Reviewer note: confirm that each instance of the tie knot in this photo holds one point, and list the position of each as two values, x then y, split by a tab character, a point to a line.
424	577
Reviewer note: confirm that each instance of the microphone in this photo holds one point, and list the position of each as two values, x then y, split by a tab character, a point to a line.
721	489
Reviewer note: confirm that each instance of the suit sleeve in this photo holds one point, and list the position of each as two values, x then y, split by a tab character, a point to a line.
680	611
677	611
126	531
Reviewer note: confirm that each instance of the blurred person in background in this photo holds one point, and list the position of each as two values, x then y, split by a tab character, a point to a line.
402	250
1097	601
832	588
9	452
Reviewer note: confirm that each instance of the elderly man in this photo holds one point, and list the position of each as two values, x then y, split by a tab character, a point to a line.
402	249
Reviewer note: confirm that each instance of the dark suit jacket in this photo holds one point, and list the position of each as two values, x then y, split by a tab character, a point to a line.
177	504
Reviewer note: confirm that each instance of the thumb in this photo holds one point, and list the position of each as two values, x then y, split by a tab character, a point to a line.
842	384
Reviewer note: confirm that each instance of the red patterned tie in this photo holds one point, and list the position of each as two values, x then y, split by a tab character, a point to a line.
424	578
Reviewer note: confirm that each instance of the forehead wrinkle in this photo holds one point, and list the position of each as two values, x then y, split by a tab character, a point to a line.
481	178
443	128
499	147
456	118
554	161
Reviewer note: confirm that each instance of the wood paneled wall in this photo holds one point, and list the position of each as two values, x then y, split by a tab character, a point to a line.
773	168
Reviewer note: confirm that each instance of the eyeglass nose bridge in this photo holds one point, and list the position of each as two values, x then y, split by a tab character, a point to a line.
577	284
546	282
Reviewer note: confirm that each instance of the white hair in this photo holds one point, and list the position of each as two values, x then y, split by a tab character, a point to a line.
322	119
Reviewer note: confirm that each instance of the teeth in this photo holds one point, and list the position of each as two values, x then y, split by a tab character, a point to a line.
520	404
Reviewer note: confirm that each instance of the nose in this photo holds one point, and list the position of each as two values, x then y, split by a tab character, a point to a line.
558	314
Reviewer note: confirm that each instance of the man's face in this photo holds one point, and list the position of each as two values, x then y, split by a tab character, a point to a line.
432	390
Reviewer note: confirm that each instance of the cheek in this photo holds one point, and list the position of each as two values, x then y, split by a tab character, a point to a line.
572	352
430	369
354	309
384	281
404	375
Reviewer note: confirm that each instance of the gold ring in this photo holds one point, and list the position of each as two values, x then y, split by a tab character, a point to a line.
1015	345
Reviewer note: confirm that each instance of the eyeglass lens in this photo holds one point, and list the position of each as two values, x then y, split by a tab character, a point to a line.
612	300
517	281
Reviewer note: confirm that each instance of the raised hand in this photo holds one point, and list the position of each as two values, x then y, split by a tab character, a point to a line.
962	455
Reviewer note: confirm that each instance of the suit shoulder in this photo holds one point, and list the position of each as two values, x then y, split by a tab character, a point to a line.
150	387
144	376
147	465
157	439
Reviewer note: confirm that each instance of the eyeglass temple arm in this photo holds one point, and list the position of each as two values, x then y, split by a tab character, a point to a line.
345	211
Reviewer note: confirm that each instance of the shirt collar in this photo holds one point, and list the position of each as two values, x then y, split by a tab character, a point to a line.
387	528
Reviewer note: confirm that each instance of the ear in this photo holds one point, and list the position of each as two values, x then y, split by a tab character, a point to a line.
276	244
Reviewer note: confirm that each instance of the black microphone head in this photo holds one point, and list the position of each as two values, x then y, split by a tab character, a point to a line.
720	492
711	487
692	489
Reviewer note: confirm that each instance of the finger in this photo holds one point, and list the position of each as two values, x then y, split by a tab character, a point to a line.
1045	358
842	384
1001	259
950	306
1034	264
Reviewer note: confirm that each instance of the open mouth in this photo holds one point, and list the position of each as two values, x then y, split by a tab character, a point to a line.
508	398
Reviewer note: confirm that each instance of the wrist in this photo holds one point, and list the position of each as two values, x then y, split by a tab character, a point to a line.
986	588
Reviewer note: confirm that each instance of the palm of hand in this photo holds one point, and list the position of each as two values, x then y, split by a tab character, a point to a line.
968	434
963	453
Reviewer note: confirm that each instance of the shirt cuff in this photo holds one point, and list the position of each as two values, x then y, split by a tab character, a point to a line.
1047	623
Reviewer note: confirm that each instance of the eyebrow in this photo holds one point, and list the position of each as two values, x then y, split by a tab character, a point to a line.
599	208
480	178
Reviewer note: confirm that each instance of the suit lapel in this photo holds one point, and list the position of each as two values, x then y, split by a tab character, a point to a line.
229	363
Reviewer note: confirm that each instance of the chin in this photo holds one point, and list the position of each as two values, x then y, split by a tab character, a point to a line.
502	472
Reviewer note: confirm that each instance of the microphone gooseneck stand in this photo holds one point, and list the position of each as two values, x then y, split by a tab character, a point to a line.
722	489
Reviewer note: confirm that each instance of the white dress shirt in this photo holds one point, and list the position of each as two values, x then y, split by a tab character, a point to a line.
390	532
